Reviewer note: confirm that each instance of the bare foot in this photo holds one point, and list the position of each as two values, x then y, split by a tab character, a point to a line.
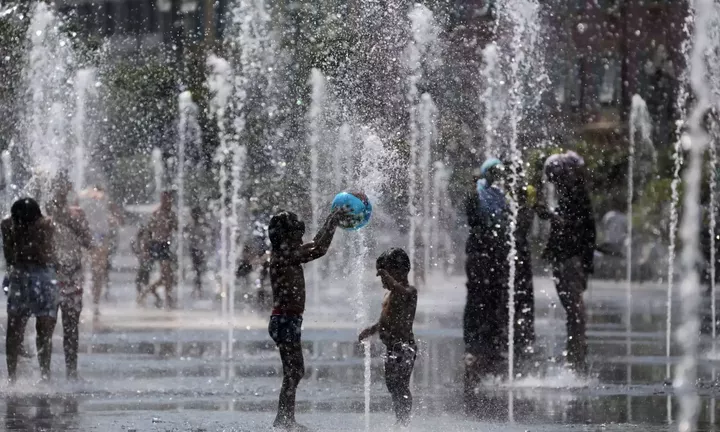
290	426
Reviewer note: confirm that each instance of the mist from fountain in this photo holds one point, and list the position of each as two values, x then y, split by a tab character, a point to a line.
641	149
158	172
189	136
315	130
428	136
688	333
423	45
526	80
493	99
8	177
49	69
678	160
85	87
220	83
373	165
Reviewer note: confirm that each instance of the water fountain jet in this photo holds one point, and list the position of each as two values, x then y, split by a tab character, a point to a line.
685	381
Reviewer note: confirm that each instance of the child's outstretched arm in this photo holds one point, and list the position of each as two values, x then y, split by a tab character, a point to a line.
321	243
368	332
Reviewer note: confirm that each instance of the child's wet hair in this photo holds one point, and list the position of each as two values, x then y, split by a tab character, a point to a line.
281	225
394	259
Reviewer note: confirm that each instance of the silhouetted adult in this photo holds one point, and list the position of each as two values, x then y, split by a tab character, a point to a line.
571	246
487	248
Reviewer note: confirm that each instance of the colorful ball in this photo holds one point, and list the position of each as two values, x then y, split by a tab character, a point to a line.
358	207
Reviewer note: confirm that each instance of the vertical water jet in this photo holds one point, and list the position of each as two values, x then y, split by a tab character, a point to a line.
685	381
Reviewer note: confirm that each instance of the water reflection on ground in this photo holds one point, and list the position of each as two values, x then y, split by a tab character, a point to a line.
153	370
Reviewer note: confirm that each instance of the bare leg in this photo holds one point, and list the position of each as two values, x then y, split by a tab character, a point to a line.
153	289
44	327
293	371
167	277
198	265
99	274
70	322
13	342
398	369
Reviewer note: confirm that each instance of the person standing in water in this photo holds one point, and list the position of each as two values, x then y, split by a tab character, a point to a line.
486	312
395	328
96	205
287	279
72	235
28	246
163	227
571	247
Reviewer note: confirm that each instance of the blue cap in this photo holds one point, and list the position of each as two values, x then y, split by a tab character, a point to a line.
488	164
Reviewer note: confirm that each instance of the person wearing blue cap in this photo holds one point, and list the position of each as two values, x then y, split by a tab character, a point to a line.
487	248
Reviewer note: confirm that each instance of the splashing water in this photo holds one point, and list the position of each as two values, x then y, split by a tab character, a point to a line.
189	135
713	62
374	161
441	251
158	169
678	159
522	18
428	116
424	38
640	136
712	183
688	333
229	92
84	90
221	88
8	177
493	99
341	179
317	85
47	73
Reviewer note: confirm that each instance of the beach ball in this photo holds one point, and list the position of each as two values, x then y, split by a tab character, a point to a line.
358	206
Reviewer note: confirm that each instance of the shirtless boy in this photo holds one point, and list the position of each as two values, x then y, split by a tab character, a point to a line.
288	288
395	328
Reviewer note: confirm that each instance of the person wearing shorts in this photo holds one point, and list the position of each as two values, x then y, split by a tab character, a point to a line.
287	278
395	328
32	290
72	235
163	227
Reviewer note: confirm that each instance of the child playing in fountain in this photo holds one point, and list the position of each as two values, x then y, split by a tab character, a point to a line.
288	288
395	328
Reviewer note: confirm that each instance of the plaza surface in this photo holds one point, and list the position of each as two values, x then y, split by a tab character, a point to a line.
197	369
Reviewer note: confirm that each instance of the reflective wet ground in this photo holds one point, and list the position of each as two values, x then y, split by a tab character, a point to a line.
150	370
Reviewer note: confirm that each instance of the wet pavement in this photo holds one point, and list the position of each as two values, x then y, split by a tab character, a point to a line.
197	370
